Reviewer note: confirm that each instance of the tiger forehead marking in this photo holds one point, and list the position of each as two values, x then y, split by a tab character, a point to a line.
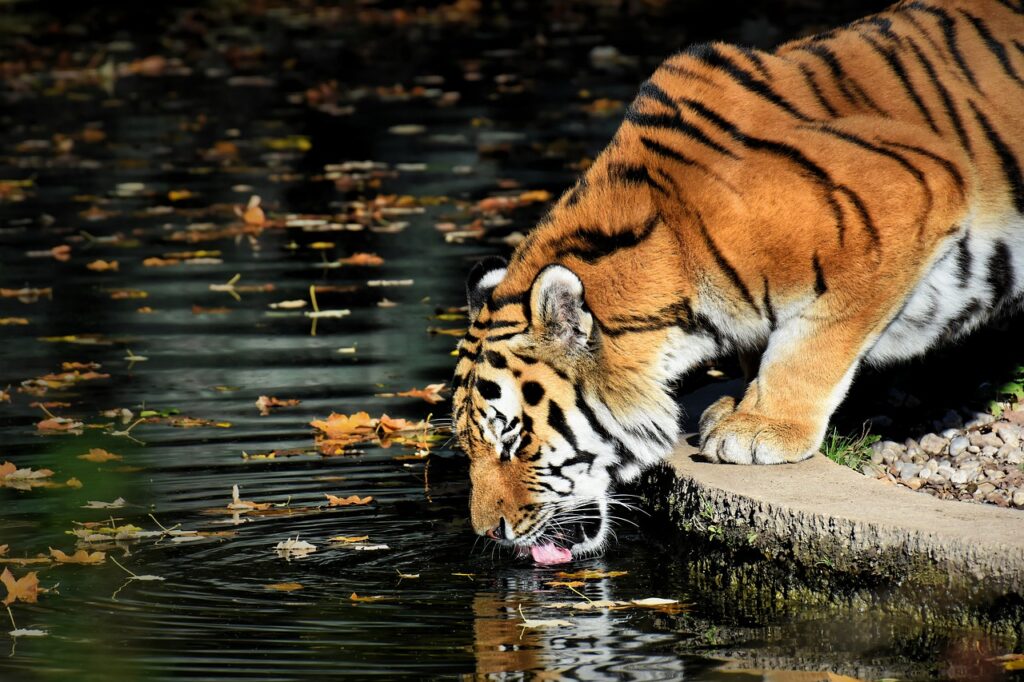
851	197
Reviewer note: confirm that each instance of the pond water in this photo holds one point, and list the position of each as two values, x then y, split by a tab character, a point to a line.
428	138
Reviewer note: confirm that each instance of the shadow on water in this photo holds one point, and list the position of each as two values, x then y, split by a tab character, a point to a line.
132	134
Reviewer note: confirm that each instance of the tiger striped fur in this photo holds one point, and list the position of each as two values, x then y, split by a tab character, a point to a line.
856	196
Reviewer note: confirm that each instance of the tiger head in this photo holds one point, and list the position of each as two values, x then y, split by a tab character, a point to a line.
544	448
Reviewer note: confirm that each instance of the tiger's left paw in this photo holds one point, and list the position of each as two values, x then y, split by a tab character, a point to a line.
743	438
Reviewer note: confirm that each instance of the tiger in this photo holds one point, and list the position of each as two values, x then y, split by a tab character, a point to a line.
851	198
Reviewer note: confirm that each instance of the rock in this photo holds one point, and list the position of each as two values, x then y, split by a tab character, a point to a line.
937	480
877	458
932	465
997	498
945	471
958	445
933	444
989	452
996	475
952	420
1018	498
1015	456
958	477
924	474
985	488
914	483
983	440
950	433
1009	433
978	420
909	471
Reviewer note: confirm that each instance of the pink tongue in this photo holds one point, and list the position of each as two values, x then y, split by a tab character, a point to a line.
550	554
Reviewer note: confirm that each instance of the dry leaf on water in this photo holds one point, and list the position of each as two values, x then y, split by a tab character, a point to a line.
338	538
288	549
431	393
23	479
99	455
283	587
24	589
95	504
104	266
238	504
552	623
590	574
370	259
60	425
79	557
252	214
356	597
265	402
334	501
340	426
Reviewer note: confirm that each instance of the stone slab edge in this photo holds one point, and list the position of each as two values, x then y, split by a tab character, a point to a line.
824	512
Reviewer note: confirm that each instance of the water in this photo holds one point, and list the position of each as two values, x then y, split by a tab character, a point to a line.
128	160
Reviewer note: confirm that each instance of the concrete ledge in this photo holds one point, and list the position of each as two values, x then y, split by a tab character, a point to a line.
820	514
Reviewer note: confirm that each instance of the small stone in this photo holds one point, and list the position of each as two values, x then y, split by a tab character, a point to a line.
1015	456
997	498
911	446
933	444
876	457
979	419
973	449
983	440
925	474
985	488
909	471
958	445
1018	498
989	452
946	472
1010	434
958	477
914	483
932	465
952	420
996	475
937	480
871	471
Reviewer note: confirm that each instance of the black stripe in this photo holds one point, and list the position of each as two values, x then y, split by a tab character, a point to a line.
650	90
843	80
673	122
1010	6
948	27
896	66
525	359
993	45
958	325
506	336
796	156
755	57
816	90
556	420
667	152
634	174
964	259
1000	274
1009	162
950	167
947	101
592	244
712	56
819	277
678	314
723	263
495	359
463	353
488	390
769	309
926	34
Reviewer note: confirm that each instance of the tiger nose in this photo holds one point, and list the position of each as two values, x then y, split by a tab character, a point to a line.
500	531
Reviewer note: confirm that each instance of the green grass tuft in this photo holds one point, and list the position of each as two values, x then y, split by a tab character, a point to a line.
851	451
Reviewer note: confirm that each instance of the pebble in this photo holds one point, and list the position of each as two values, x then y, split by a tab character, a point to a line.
972	458
958	445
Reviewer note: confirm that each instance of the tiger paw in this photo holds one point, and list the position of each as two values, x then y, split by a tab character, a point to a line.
715	412
743	438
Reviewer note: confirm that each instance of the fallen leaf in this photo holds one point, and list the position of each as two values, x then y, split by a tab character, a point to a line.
367	259
239	504
265	402
337	538
340	425
124	294
104	266
552	623
590	574
25	588
60	425
252	214
3	549
293	304
653	601
98	456
333	501
94	504
21	632
73	483
23	479
9	321
79	557
356	597
283	587
390	425
566	583
431	393
287	549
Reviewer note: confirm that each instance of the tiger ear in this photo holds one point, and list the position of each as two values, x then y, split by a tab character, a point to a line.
559	311
482	279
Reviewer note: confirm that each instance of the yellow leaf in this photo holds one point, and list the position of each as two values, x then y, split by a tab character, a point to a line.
356	597
79	557
348	538
283	587
24	589
98	456
334	501
590	574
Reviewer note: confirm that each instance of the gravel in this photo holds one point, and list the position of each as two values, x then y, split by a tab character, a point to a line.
974	457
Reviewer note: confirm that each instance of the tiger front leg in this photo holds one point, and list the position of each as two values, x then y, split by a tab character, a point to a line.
782	417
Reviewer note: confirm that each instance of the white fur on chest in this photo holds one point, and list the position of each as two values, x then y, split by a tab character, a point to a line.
959	292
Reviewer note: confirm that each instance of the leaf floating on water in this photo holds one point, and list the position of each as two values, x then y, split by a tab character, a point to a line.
79	557
431	393
294	304
265	402
369	548
294	548
566	583
21	632
356	597
551	623
365	259
104	266
116	504
590	574
24	589
344	538
238	504
23	479
283	587
99	455
252	214
653	602
60	425
334	501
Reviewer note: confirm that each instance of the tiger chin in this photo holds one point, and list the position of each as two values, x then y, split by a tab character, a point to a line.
853	197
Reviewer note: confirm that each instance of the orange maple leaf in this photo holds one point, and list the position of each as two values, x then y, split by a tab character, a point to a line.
342	426
431	393
390	424
362	259
99	455
24	589
79	557
265	402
